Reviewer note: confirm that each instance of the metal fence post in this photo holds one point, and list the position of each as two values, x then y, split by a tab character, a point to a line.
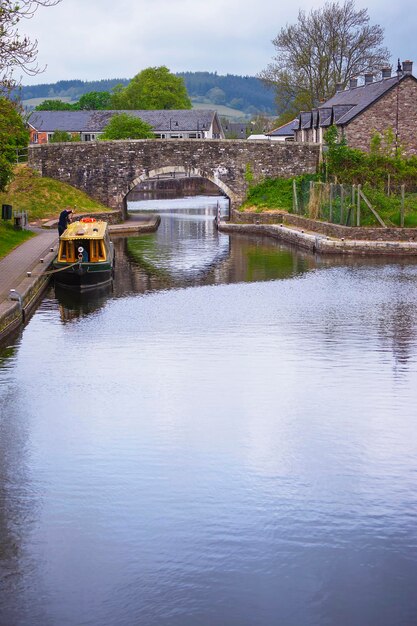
402	206
331	203
294	196
358	212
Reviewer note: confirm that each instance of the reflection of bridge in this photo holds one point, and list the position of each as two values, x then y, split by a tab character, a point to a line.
108	170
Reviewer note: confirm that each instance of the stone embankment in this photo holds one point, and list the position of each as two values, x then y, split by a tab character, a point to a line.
322	237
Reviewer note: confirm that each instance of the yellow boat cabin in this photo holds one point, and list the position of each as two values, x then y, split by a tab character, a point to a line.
85	255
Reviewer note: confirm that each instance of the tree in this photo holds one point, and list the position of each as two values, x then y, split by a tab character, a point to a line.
152	88
125	126
61	136
54	105
14	136
260	124
94	101
17	51
326	46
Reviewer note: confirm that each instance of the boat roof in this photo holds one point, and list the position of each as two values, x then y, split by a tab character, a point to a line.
85	230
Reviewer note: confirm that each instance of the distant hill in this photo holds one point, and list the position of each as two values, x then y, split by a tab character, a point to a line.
231	95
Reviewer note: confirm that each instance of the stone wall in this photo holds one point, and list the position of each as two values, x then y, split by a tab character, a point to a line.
108	170
319	244
383	114
325	228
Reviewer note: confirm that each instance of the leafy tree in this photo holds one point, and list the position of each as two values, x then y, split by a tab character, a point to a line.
61	136
54	105
152	88
14	136
326	46
17	51
94	101
125	126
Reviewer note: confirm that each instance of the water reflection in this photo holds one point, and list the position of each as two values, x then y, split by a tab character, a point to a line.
241	454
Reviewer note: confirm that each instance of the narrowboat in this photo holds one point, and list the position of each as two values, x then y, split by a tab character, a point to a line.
85	258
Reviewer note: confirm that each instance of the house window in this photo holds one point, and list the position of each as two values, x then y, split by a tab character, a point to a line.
35	137
192	135
50	136
87	137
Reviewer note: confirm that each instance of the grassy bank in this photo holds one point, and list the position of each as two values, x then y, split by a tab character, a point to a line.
274	193
277	194
10	238
45	198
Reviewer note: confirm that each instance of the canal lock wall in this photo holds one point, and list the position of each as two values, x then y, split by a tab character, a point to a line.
323	237
14	313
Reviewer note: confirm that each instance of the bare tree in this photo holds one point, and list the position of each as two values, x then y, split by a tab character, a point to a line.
326	46
18	51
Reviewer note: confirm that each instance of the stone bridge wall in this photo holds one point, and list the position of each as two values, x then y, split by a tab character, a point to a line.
108	170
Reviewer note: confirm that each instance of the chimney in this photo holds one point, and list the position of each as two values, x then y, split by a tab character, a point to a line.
353	83
407	67
386	72
339	87
369	78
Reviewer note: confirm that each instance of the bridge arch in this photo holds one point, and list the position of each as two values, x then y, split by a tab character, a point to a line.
177	169
108	170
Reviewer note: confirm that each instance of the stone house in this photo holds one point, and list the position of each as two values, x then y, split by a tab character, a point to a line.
360	110
89	125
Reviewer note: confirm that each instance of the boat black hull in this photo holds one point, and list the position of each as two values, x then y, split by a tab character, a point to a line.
83	279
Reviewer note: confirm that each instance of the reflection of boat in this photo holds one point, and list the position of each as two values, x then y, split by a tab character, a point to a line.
74	303
85	256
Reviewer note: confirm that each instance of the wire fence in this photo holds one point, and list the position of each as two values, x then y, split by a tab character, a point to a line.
17	155
348	205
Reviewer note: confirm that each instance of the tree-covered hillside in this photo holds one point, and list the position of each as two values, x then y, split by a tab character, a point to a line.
246	93
242	93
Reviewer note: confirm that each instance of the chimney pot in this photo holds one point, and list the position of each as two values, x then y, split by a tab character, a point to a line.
386	72
369	78
353	83
407	67
339	87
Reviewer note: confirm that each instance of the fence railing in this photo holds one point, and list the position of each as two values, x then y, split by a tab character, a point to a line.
19	155
338	203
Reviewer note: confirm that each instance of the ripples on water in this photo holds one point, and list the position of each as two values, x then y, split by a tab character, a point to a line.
220	450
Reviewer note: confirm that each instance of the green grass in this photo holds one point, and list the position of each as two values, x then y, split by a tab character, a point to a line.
389	208
273	193
11	238
45	198
277	193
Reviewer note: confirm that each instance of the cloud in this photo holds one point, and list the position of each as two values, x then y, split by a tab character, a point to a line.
117	38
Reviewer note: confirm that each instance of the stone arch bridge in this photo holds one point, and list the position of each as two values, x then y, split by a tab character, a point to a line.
109	170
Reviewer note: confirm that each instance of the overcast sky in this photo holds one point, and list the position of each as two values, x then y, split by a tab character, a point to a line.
94	39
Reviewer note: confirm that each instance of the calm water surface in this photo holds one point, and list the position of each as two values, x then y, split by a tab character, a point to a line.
228	438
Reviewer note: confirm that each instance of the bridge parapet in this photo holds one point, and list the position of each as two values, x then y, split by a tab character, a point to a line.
108	170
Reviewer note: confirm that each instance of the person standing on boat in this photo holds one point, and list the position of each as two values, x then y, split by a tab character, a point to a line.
64	220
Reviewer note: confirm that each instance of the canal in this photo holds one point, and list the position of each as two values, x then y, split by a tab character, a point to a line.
228	437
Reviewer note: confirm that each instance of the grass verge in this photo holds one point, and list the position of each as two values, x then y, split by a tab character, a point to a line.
45	198
11	238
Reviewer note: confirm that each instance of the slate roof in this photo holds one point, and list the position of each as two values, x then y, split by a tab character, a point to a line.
356	100
95	121
235	128
286	130
345	105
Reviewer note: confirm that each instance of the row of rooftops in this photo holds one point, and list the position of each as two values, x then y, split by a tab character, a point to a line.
346	104
95	121
340	109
